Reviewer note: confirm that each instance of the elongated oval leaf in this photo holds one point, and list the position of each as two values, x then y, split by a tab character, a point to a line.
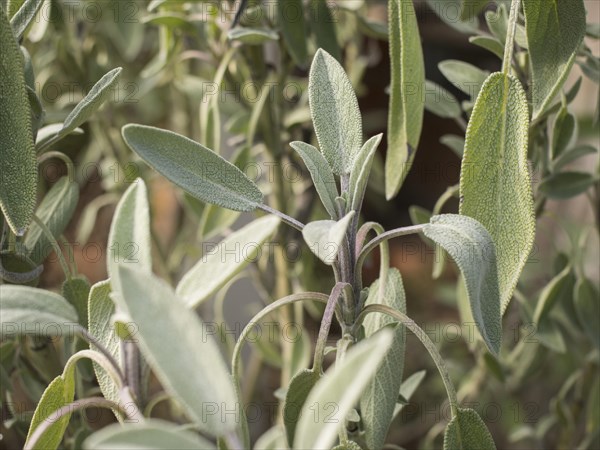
324	28
222	261
100	311
495	187
194	168
359	177
27	310
23	17
55	211
472	247
378	401
405	117
555	30
324	237
464	76
174	341
466	431
60	392
556	291
293	28
441	102
298	390
99	93
335	113
321	174
587	305
151	434
18	183
129	239
565	185
336	393
252	36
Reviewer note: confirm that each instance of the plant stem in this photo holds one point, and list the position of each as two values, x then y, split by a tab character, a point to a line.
284	217
85	335
510	36
425	340
326	324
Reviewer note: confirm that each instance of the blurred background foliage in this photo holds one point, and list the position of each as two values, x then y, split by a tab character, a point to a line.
184	70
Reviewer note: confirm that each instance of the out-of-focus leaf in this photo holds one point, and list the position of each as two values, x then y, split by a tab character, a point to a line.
571	155
23	17
341	386
323	27
76	291
564	185
441	102
252	36
405	118
564	130
220	264
489	43
55	211
464	76
555	30
293	28
455	143
587	304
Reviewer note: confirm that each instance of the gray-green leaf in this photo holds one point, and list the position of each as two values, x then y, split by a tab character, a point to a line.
466	431
587	305
55	211
321	174
27	310
252	36
325	237
151	434
18	183
378	400
100	311
23	17
99	93
441	102
405	118
186	361
564	185
219	263
334	111
555	30
129	239
464	76
359	176
299	389
293	28
495	187
472	247
194	168
337	392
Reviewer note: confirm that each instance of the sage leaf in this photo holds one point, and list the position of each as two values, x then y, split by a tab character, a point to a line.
378	400
194	168
440	102
99	93
55	211
334	111
293	29
324	28
27	310
571	155
45	134
455	143
180	348
555	29
60	392
405	117
472	248
489	43
470	8
564	130
565	185
298	390
129	239
272	439
325	237
100	311
359	176
587	305
408	388
495	186
321	174
220	264
150	434
464	76
76	290
466	431
252	36
23	17
18	183
558	290
341	386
